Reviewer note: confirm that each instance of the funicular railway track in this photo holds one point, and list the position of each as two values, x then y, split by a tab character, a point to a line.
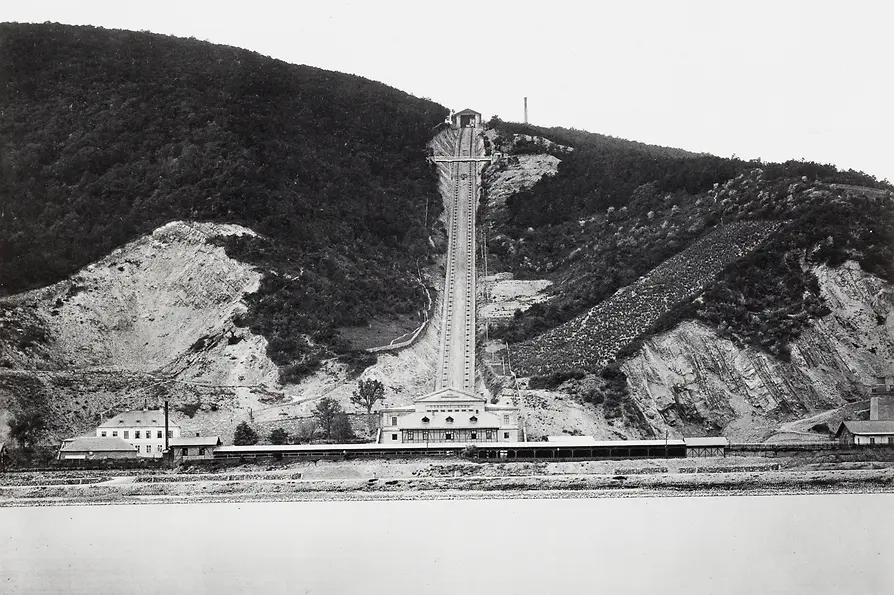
456	364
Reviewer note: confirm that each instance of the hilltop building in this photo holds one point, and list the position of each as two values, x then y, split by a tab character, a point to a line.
449	416
89	447
144	429
466	119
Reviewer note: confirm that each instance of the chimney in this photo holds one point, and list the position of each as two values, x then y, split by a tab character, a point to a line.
167	433
526	110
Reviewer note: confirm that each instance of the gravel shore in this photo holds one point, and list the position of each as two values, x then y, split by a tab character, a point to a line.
445	480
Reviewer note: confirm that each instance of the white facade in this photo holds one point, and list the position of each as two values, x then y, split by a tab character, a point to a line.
449	416
144	429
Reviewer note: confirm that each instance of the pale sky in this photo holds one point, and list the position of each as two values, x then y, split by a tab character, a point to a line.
771	79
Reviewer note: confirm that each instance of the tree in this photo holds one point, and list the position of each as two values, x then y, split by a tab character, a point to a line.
305	431
341	427
325	413
368	393
279	436
27	427
244	435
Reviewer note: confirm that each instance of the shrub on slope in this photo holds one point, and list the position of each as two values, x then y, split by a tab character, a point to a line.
105	135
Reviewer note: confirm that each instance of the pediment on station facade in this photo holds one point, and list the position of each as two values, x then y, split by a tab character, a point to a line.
450	395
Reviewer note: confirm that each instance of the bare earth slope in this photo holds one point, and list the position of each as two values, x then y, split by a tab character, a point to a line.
167	297
153	319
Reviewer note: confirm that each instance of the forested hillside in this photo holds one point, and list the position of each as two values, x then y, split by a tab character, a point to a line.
106	135
615	210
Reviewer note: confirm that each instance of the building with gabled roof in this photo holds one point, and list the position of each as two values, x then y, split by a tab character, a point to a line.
188	448
466	118
90	447
143	428
449	415
879	432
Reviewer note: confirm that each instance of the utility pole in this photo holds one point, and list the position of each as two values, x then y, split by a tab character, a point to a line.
167	431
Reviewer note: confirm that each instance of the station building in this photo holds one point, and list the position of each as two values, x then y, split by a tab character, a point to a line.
466	119
449	416
142	428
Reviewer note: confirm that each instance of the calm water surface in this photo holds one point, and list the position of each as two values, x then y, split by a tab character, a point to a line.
750	544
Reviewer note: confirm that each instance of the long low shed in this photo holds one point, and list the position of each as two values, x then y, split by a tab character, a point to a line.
582	450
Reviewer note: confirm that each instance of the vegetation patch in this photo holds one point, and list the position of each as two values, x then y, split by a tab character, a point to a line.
330	169
616	210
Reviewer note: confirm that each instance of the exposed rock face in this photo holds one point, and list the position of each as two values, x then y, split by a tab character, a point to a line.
165	302
512	175
153	320
691	381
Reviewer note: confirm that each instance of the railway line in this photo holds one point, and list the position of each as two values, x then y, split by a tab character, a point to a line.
456	361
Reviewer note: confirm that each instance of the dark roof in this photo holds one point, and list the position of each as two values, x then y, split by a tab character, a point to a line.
93	444
467	112
866	427
195	441
139	418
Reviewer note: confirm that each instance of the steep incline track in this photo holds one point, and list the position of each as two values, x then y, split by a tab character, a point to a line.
456	366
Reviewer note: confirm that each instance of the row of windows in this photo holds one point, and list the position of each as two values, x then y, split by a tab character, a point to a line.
506	418
185	451
137	434
149	448
473	435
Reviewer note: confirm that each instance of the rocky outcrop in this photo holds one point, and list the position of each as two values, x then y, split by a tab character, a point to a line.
165	302
691	381
511	175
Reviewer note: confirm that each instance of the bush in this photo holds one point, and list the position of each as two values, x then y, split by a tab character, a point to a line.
341	428
189	409
244	435
279	436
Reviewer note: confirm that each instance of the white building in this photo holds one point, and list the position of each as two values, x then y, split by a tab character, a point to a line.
873	432
449	415
144	428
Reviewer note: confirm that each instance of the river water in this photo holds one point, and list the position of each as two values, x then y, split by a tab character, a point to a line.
750	544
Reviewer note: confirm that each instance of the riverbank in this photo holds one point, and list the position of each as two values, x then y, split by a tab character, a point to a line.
440	479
